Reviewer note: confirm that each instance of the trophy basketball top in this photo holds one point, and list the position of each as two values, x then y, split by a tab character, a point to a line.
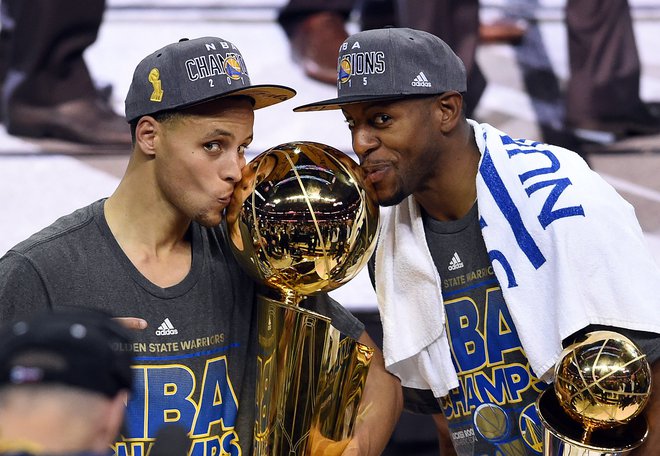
603	379
302	219
602	384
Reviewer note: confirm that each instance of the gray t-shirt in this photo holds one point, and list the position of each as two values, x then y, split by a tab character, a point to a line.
196	362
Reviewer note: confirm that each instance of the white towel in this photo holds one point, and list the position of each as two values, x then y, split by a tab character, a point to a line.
566	249
408	294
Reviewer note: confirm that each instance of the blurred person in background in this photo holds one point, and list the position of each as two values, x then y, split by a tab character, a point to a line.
602	97
64	382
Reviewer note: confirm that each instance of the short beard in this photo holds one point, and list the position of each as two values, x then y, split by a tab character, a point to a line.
393	200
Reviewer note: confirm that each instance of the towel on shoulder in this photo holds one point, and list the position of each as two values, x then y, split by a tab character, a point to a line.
566	249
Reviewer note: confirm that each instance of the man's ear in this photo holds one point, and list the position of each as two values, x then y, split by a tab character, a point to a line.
450	109
146	131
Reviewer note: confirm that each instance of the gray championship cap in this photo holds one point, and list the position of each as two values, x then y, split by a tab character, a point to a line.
190	72
392	63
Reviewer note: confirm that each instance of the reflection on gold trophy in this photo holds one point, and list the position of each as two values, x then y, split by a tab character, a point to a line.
302	222
602	384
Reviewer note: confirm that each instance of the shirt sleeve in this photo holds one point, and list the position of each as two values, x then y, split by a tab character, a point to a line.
420	401
340	317
22	292
648	343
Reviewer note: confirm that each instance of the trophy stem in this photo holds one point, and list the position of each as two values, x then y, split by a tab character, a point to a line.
291	297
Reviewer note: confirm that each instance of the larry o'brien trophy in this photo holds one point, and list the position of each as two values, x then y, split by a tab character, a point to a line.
301	222
602	384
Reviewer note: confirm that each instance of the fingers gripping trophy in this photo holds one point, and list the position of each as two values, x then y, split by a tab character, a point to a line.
602	384
302	222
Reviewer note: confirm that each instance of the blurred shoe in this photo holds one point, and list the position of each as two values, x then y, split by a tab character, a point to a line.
83	121
104	92
505	31
645	122
315	44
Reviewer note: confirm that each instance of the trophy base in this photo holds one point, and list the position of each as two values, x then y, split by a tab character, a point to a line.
563	436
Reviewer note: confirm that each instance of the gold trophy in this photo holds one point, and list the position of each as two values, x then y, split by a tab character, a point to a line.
301	222
602	384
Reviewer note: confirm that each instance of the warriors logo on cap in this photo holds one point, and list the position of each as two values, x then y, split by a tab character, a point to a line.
233	67
344	73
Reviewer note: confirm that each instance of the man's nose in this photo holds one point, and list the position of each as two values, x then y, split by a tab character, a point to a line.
364	141
231	170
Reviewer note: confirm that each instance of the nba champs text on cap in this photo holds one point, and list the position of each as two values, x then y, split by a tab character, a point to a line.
393	63
190	72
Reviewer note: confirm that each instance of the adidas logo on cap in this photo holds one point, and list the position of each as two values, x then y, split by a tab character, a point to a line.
420	80
455	262
166	328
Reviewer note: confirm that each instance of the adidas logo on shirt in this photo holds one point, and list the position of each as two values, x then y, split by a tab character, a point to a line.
166	328
421	81
455	262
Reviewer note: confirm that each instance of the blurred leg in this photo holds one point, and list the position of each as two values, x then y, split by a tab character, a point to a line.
316	29
46	50
603	90
457	23
48	90
376	14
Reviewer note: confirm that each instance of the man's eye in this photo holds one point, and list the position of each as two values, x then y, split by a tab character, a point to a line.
381	119
213	147
350	123
242	149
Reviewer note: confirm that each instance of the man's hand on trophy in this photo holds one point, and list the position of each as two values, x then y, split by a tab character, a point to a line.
323	446
380	406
